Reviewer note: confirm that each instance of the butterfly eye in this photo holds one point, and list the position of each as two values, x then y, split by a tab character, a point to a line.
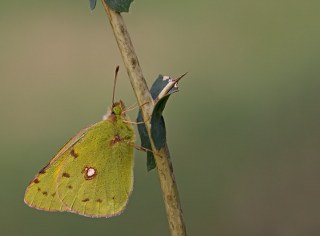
116	110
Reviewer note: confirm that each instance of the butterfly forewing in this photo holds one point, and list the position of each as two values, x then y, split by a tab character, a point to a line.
42	190
97	181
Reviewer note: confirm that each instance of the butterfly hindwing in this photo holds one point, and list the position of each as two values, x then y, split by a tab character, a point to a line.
97	177
92	175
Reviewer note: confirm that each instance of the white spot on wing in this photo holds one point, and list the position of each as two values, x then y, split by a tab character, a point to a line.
90	172
165	77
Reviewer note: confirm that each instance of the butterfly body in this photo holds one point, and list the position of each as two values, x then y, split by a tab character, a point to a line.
92	175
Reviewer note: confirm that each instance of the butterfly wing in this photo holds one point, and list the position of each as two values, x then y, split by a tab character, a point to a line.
96	179
41	192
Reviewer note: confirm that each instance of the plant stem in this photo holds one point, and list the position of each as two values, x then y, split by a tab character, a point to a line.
162	156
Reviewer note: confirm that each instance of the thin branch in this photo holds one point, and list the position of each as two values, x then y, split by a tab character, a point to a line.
162	156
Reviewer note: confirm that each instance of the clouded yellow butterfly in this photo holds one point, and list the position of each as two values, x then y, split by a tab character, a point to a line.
92	175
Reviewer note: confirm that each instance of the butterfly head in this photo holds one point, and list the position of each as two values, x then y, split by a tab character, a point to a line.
117	108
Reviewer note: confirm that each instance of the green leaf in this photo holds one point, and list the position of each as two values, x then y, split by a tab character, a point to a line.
163	86
158	126
92	4
119	5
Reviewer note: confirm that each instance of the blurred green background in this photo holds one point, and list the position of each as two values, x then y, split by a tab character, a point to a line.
243	131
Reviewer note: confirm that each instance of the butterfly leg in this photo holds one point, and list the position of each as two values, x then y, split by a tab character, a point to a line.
132	122
140	148
135	123
134	106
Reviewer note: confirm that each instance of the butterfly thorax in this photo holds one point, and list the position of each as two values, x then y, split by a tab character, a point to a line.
122	129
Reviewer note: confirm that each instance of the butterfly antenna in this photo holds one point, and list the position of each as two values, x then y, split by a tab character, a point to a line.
114	83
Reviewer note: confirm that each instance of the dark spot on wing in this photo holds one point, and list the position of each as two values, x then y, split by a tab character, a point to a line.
39	189
85	200
43	170
113	197
65	174
36	181
54	194
73	153
70	187
115	139
99	200
45	193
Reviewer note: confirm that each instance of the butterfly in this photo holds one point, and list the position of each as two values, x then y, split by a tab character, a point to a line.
92	174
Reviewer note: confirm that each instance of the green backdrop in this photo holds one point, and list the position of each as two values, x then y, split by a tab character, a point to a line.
243	131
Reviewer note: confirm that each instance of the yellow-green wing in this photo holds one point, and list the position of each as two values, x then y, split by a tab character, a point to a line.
42	190
97	179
